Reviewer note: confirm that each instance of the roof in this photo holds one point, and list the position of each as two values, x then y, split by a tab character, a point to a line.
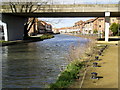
43	22
79	22
91	20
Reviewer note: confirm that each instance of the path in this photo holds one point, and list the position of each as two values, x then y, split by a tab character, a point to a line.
108	70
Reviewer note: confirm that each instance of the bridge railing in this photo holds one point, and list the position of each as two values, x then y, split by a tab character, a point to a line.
67	8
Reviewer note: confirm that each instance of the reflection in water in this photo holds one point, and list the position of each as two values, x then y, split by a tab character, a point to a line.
35	64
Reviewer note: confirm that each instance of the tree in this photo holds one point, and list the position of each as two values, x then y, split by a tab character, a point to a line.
115	28
26	7
95	31
28	25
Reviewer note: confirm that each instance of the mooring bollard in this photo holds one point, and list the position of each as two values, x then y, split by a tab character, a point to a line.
101	50
94	75
95	64
99	53
96	57
105	46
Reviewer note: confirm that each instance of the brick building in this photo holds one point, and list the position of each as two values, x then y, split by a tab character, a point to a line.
89	26
39	27
44	27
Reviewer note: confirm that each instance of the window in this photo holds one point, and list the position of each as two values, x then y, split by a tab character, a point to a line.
99	25
100	20
113	20
90	24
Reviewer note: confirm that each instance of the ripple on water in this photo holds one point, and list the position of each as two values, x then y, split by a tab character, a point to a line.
35	64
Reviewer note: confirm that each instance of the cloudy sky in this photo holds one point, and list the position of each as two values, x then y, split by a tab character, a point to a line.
63	22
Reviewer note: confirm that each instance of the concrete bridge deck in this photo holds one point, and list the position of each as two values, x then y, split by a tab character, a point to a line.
75	10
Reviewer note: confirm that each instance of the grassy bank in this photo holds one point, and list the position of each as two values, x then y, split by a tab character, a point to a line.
1	41
69	75
27	39
80	59
77	63
44	36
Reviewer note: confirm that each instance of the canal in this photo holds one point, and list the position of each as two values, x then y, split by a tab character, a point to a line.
36	64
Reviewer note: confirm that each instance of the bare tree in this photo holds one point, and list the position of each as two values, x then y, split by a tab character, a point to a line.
26	7
28	25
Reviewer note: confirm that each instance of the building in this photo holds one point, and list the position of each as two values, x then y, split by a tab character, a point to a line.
69	30
1	32
79	25
99	25
55	30
44	27
38	27
64	30
49	28
114	20
88	26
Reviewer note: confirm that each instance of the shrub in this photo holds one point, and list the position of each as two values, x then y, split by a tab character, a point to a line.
2	41
60	84
95	31
68	75
114	28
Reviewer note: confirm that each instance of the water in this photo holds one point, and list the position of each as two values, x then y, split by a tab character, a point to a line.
35	64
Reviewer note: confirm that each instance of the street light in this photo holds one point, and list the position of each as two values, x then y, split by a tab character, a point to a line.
74	1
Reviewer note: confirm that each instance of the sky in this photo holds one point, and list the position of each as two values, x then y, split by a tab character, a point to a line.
63	22
67	22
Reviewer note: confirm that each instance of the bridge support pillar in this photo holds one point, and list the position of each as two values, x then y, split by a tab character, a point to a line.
107	20
5	30
14	27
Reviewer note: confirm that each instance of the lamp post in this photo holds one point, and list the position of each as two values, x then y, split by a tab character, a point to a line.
74	2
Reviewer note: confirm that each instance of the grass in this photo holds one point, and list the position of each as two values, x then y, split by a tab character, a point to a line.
68	75
77	56
2	41
45	36
27	39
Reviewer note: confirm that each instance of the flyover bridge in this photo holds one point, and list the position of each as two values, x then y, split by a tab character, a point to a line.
15	20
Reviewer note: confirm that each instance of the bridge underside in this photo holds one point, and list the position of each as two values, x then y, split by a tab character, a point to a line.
65	14
15	21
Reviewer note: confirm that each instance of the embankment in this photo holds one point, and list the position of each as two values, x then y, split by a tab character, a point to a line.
26	40
73	75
